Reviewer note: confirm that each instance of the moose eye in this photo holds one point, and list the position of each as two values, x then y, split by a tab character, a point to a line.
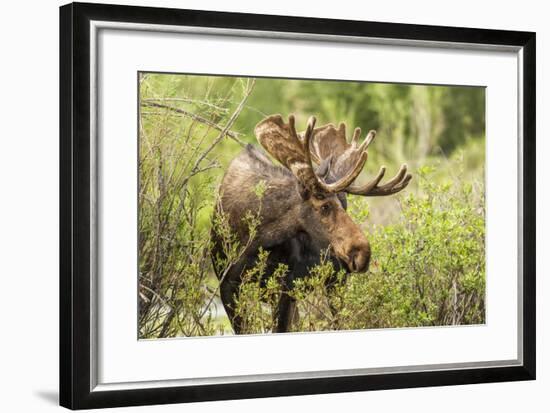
325	209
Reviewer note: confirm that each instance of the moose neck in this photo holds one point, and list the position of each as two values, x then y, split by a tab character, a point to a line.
280	208
281	211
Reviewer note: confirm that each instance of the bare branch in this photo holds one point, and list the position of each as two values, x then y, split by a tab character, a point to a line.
187	100
230	123
233	135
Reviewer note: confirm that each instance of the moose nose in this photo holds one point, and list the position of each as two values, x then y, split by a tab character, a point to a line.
359	258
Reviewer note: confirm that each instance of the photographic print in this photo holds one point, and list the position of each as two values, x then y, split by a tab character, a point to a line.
235	203
291	205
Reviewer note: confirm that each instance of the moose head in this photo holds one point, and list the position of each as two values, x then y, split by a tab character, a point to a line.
323	188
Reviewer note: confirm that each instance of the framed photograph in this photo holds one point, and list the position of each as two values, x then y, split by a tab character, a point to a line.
256	206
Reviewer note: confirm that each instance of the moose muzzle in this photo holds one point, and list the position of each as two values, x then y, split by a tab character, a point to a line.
351	246
358	257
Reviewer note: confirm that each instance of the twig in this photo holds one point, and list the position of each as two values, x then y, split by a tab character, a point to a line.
230	122
233	135
156	295
187	100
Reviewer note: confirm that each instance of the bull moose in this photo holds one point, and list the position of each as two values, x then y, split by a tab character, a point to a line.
303	209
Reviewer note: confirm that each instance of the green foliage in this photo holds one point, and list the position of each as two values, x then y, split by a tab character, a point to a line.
428	243
429	268
413	121
318	300
259	295
178	175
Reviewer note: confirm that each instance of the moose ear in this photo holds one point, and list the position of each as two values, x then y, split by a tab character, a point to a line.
323	169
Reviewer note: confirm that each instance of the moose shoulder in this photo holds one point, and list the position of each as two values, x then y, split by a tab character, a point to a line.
302	210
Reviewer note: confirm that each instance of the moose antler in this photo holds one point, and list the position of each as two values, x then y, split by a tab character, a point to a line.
292	150
329	143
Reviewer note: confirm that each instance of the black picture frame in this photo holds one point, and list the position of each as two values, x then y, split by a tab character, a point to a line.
75	219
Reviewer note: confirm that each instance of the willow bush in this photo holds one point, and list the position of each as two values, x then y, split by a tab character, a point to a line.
178	173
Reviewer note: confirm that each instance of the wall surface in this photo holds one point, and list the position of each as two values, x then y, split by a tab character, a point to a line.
29	207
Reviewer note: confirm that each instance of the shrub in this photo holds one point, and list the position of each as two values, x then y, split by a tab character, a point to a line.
178	175
429	268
